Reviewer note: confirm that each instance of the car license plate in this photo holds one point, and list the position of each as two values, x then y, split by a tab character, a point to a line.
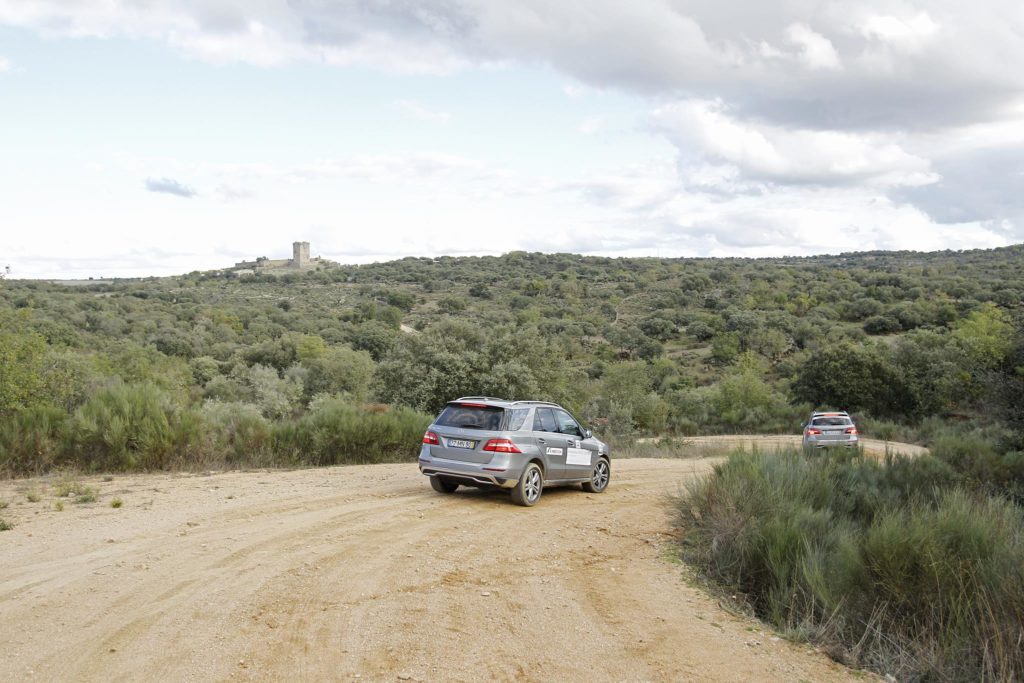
833	432
460	443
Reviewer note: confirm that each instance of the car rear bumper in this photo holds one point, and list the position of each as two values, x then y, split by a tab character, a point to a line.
467	472
850	441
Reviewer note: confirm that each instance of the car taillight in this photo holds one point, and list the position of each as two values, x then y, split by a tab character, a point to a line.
811	431
431	438
501	446
851	430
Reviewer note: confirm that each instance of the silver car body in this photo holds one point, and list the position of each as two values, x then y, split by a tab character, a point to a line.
830	428
474	439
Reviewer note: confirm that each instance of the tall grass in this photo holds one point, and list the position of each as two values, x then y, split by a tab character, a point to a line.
124	427
34	440
895	565
138	427
338	432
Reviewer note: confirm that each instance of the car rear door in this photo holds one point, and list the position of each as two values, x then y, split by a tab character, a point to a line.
463	429
551	444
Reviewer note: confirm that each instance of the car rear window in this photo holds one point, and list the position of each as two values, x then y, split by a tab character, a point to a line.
831	422
467	416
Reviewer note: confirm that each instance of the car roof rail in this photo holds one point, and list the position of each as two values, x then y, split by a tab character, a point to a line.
478	398
543	403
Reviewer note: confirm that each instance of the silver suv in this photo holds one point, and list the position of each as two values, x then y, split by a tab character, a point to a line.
519	445
833	428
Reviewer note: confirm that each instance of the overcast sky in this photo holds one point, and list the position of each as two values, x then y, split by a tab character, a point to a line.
159	137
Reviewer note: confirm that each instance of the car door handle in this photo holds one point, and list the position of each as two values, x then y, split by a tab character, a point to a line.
541	441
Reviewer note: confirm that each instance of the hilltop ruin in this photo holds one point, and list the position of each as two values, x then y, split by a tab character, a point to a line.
300	261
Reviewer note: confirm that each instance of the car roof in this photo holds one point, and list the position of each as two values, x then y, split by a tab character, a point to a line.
830	413
500	402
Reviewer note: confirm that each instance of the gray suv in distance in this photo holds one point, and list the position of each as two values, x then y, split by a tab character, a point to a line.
522	446
834	428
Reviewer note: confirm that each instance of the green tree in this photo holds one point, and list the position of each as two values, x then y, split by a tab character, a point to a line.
986	336
22	358
725	347
855	378
339	370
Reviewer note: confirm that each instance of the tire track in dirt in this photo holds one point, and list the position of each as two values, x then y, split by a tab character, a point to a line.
325	574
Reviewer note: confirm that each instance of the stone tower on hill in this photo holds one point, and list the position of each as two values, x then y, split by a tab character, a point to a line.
299	261
300	255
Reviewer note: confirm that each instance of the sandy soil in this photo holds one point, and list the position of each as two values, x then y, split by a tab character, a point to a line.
366	573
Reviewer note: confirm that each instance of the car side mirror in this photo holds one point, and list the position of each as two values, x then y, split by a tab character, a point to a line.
587	433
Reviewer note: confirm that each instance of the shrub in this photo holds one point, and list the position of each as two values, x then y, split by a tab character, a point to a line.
238	432
34	440
338	432
981	463
882	324
124	427
893	566
339	370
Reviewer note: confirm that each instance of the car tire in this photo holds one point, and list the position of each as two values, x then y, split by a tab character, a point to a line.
531	485
443	485
600	477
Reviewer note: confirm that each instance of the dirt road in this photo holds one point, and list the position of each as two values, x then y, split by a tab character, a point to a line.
768	442
365	573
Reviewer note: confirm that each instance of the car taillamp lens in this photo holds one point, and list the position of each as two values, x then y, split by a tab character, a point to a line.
501	446
851	430
431	438
813	432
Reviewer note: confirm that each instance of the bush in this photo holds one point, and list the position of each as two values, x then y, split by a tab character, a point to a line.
982	465
124	427
336	432
34	441
238	433
893	566
882	324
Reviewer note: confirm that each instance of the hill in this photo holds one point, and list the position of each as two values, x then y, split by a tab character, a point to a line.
633	345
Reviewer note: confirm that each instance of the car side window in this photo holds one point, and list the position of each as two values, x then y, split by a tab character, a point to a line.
516	418
544	421
567	425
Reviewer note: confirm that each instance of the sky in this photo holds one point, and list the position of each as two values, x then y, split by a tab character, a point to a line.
159	137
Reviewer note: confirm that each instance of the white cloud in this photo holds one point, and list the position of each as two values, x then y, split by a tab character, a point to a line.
418	111
815	50
5	65
591	125
911	32
771	153
798	127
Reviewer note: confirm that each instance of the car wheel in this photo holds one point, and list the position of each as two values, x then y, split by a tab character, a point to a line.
531	484
442	485
600	478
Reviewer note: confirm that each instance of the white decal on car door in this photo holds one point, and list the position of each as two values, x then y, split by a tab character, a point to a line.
577	456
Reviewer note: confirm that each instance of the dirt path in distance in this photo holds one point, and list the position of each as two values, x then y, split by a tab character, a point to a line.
768	442
366	573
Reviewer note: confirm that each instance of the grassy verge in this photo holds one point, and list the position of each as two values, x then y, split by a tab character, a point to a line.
903	566
136	428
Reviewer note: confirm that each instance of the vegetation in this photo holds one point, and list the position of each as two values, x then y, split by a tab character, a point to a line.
909	567
204	369
912	567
